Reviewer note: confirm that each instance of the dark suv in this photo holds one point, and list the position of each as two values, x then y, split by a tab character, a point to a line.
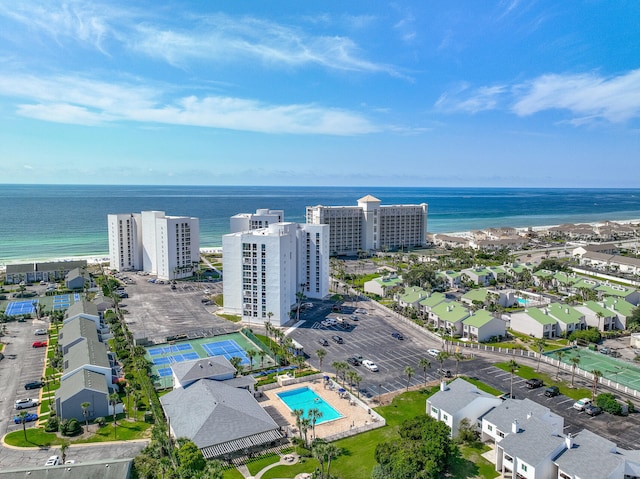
337	339
534	383
552	391
354	361
34	385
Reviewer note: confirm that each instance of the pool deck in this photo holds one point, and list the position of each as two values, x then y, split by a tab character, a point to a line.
352	415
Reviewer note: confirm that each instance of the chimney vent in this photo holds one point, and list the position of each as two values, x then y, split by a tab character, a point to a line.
515	427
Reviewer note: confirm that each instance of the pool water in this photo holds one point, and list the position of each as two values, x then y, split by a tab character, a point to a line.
523	302
305	399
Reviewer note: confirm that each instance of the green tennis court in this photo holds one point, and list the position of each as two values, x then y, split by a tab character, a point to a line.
614	369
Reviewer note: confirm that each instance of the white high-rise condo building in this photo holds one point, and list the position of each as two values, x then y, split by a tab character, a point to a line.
266	269
371	226
252	221
166	246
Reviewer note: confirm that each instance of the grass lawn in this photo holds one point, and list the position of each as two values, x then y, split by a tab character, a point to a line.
472	464
260	463
528	372
38	437
232	473
482	386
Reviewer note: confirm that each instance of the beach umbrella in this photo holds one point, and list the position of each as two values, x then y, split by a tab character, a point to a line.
326	378
342	390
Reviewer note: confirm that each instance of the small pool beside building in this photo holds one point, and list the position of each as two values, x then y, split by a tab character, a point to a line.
305	399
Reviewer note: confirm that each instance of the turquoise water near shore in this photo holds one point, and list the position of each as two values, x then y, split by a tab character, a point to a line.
39	222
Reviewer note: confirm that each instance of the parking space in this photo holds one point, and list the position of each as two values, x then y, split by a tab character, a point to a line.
370	337
22	364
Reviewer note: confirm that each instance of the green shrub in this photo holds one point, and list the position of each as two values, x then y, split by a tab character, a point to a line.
100	421
631	406
52	424
591	335
609	403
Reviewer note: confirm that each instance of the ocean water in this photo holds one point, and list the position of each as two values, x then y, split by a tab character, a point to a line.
40	222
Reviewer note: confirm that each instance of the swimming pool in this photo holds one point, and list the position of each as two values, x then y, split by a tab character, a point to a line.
523	302
305	399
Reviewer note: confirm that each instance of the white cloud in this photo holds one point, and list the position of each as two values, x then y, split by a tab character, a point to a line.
89	102
587	96
463	100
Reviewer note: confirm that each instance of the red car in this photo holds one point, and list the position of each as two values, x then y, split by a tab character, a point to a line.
39	344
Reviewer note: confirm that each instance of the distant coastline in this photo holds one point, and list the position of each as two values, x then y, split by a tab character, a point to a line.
104	258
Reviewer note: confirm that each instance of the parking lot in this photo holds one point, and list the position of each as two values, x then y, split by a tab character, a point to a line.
370	337
21	364
157	311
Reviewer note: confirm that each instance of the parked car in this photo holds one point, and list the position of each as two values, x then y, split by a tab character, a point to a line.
327	324
40	332
52	461
39	344
433	352
592	410
323	342
34	385
337	339
445	373
370	365
353	317
26	403
361	311
552	391
534	383
32	416
397	335
580	404
605	350
354	361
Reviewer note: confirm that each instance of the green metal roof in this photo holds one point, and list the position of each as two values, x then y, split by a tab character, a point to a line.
433	299
478	319
618	305
451	312
585	283
565	313
540	316
388	281
543	273
476	294
564	278
614	290
598	308
413	294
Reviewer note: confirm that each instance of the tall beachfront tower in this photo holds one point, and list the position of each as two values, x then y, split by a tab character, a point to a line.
264	269
250	221
166	246
371	226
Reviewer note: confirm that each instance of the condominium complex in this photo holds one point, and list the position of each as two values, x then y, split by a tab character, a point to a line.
166	246
371	226
265	269
251	221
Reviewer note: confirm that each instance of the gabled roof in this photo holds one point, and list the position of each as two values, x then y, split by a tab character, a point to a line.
103	469
478	319
81	380
535	442
457	395
540	316
86	352
476	295
413	294
78	327
451	312
83	306
210	412
433	299
517	409
211	368
368	198
598	308
619	305
565	313
590	456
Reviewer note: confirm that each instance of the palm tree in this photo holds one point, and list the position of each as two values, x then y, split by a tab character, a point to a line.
441	358
596	378
314	414
305	424
23	421
236	363
63	450
128	389
331	451
540	344
321	353
357	379
559	355
350	375
425	364
513	367
262	354
319	452
575	360
599	315
409	372
113	400
340	367
298	413
252	353
85	412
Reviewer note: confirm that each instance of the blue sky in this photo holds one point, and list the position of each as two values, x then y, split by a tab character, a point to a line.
420	93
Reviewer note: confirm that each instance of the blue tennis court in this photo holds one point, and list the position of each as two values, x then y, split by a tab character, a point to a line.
175	358
164	372
171	349
21	307
228	348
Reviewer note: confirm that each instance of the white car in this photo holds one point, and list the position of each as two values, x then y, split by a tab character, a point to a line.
433	352
307	305
328	323
580	404
40	332
361	311
52	461
370	365
26	403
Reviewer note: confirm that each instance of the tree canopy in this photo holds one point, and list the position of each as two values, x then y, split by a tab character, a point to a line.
425	450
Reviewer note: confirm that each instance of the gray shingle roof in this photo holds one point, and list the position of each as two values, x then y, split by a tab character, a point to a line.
80	307
210	412
459	394
212	368
535	442
78	327
117	469
591	457
86	352
511	409
83	379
